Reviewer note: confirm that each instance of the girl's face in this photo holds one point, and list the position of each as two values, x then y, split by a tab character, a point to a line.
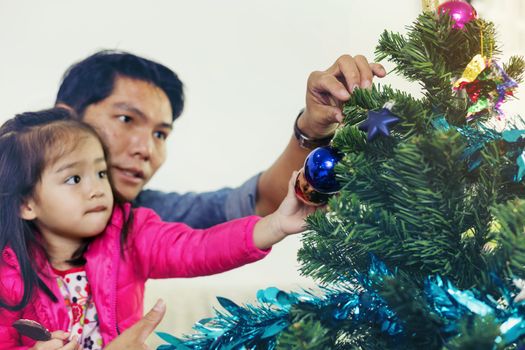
73	198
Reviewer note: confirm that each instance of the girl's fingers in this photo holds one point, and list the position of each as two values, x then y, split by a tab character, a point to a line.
72	345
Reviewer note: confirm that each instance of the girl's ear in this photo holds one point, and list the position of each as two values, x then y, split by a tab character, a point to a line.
27	210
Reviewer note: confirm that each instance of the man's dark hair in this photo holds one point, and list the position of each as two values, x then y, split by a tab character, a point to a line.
92	79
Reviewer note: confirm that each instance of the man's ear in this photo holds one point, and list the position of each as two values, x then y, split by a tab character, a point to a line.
27	210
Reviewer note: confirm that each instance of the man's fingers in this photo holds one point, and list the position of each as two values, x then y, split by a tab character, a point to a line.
378	69
355	71
328	90
323	85
351	72
135	336
333	115
150	321
365	71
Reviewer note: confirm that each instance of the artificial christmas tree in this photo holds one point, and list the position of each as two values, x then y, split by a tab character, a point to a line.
425	242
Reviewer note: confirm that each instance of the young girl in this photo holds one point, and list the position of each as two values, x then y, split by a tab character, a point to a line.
74	260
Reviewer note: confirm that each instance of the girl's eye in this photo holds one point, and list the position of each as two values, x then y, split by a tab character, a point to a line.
124	118
161	135
103	174
72	180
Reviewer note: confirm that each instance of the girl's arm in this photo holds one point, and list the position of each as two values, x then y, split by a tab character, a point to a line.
166	250
158	249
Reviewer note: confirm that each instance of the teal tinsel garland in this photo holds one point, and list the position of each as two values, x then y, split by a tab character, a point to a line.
257	327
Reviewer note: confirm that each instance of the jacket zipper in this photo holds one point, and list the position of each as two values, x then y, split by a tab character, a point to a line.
116	264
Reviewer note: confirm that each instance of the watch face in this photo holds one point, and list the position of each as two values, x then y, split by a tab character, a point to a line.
304	142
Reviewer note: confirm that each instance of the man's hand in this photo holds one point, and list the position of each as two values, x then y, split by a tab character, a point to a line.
134	337
326	91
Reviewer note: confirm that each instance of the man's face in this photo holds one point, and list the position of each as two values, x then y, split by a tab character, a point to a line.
134	122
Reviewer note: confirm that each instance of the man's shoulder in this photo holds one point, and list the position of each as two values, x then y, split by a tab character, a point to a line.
202	209
149	195
159	199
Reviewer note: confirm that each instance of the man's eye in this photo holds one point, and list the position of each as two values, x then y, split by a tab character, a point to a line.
124	118
103	174
160	135
72	180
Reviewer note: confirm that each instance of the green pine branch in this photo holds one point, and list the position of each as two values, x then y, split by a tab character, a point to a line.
479	333
421	326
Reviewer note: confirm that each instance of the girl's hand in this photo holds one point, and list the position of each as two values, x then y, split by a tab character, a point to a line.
292	212
286	220
58	339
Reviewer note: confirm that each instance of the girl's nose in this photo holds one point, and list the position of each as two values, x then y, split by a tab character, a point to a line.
96	192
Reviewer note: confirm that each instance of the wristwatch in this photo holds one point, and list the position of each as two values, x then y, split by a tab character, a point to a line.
306	141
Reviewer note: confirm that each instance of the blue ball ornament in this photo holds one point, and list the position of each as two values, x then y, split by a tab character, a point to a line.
319	169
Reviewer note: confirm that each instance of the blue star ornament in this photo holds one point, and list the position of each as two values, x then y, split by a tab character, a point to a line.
378	122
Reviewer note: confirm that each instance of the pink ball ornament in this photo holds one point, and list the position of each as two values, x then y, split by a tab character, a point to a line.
461	12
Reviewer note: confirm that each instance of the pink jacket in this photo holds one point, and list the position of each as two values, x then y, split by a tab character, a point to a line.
154	249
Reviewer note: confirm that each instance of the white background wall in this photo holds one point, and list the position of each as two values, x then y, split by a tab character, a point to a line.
244	65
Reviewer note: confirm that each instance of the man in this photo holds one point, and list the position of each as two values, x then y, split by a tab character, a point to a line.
132	102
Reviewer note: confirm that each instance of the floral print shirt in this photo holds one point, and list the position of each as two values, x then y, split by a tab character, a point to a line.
76	291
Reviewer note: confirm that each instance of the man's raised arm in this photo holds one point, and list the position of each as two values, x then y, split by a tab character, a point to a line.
326	92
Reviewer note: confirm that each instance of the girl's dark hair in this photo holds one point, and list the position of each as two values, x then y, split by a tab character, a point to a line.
29	143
